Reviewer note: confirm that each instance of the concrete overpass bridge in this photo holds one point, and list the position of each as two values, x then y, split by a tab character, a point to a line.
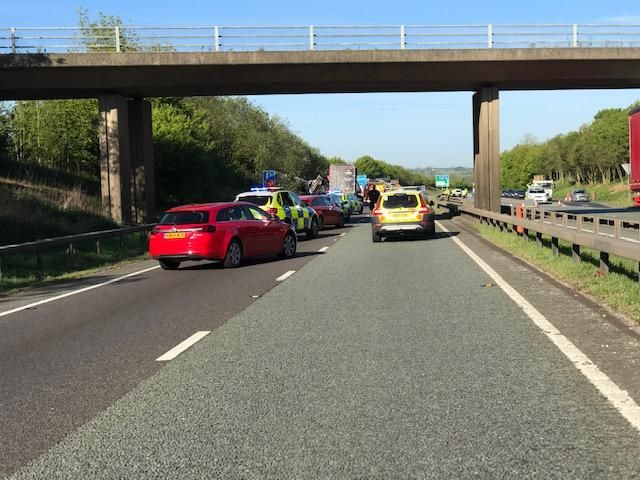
121	80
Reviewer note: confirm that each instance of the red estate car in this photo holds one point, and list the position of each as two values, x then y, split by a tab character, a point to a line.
325	207
219	231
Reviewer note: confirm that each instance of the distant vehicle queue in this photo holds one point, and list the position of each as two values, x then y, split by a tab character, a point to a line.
260	222
267	221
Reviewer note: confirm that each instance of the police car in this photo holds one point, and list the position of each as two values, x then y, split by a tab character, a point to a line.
286	205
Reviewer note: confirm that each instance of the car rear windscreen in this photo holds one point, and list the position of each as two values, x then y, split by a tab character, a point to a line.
184	218
259	200
400	201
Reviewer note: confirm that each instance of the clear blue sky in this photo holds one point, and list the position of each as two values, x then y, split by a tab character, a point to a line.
412	129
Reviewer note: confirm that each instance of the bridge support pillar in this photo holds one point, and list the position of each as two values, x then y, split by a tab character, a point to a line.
486	149
126	159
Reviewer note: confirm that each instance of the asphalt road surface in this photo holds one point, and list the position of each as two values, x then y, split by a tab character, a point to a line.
402	359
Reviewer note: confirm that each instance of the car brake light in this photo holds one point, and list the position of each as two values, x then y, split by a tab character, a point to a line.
424	210
376	212
209	229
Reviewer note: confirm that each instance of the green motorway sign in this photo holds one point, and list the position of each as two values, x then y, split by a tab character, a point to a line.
442	181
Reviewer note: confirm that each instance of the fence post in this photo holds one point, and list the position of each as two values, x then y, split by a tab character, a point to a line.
13	39
216	39
117	34
402	37
575	253
604	263
575	35
312	39
525	234
490	36
617	227
596	225
579	222
38	261
538	239
554	246
97	247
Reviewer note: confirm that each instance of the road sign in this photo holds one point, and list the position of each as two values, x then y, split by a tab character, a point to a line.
362	180
627	168
442	181
268	178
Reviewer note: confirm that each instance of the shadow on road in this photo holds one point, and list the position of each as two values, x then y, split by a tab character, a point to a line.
414	238
213	265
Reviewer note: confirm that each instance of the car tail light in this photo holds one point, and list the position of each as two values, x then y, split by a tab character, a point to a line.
209	229
424	208
273	211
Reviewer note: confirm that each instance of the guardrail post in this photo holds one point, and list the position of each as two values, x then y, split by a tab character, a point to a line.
538	239
604	263
489	36
117	35
575	35
403	41
38	261
575	253
565	219
579	223
596	225
617	227
216	39
97	247
13	39
554	246
525	235
312	39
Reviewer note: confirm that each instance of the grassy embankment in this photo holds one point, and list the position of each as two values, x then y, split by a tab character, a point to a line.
619	290
615	194
32	208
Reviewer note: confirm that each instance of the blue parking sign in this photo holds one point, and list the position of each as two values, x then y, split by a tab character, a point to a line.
268	178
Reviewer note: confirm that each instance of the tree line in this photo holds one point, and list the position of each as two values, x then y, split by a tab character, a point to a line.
592	154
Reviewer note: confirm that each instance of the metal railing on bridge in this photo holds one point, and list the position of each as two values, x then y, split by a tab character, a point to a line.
212	38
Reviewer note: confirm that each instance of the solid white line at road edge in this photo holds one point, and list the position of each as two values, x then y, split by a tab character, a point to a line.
182	346
323	249
75	292
285	275
619	398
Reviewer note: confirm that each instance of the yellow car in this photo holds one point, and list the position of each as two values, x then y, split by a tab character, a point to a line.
286	206
402	212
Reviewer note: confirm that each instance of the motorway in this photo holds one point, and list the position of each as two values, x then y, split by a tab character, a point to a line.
392	360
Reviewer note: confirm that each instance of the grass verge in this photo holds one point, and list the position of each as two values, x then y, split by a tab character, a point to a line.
619	290
21	270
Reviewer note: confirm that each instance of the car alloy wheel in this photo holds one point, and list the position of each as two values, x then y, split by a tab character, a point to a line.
289	246
234	255
313	229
